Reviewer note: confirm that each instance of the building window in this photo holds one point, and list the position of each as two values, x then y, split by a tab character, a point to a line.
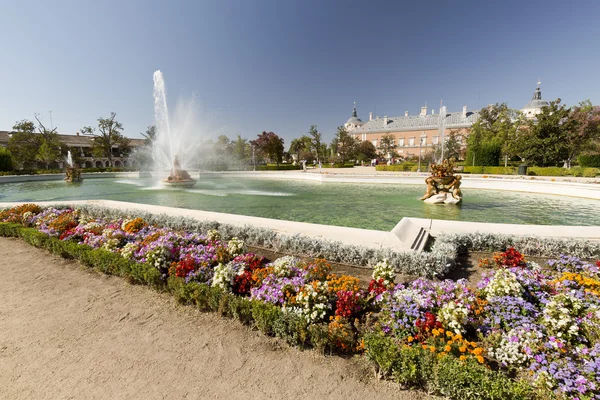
436	139
401	142
374	142
411	141
424	140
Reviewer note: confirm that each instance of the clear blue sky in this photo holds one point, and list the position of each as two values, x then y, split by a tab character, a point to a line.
282	66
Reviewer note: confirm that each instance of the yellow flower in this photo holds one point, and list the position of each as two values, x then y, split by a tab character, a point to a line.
435	332
463	358
462	349
449	334
477	351
410	339
447	348
480	359
432	349
425	347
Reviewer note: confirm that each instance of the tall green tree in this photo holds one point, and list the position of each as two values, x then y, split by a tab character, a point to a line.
299	145
452	147
543	141
315	141
387	145
23	144
270	145
239	148
495	128
343	144
365	151
109	136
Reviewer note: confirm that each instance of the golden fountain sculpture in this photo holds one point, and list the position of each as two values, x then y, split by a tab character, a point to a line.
179	177
443	186
73	174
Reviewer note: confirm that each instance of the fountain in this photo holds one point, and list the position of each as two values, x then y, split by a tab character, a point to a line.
174	147
443	186
72	173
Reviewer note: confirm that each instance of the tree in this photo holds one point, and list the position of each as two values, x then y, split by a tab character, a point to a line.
387	145
452	146
315	141
543	141
23	144
343	144
270	145
583	132
109	137
299	145
150	135
496	127
239	148
50	147
365	151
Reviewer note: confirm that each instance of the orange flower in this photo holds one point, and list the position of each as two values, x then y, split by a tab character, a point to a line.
432	349
447	348
477	351
449	334
480	359
410	339
463	358
462	349
425	347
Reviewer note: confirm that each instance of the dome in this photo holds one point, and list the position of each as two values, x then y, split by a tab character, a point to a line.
536	103
354	121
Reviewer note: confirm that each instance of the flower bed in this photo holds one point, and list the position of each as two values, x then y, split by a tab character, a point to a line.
523	332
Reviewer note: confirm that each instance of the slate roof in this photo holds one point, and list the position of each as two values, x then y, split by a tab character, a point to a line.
454	120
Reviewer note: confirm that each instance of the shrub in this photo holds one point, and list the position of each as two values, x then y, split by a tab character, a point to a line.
490	170
405	166
590	160
487	154
591	172
6	161
547	171
265	316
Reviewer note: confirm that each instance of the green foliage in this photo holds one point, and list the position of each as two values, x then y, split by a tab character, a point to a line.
548	171
591	172
344	145
486	153
109	136
365	151
338	165
283	167
315	138
490	170
452	147
6	160
405	166
466	380
265	315
589	160
292	328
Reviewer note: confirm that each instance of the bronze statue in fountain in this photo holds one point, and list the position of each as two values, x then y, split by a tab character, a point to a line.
179	177
73	174
443	186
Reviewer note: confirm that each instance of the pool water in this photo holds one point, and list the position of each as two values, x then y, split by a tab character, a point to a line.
370	206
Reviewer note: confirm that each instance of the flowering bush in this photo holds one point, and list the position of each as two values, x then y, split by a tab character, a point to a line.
236	247
542	323
383	270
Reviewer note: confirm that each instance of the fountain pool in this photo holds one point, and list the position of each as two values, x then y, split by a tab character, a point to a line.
359	205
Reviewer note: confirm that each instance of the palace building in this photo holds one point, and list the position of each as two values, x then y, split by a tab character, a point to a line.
419	133
412	132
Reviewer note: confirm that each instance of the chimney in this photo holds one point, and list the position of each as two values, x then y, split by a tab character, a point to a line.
423	111
385	120
371	116
406	113
464	114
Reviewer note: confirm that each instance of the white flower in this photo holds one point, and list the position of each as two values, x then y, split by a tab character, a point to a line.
504	283
282	267
384	270
224	276
236	247
213	235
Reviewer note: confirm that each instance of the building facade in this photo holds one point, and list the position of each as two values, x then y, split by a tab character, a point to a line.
414	134
82	146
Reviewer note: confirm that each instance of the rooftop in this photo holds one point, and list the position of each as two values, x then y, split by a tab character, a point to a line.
453	120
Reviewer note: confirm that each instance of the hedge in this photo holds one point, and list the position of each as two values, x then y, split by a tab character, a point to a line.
591	160
490	170
406	166
533	171
6	161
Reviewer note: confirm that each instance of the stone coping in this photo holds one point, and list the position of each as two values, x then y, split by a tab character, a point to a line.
401	238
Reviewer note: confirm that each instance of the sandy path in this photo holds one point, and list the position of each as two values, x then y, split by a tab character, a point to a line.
66	333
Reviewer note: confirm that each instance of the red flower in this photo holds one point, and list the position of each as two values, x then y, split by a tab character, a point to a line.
347	303
376	287
243	283
598	263
510	258
185	266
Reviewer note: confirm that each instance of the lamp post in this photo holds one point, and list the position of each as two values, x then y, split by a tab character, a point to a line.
422	138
